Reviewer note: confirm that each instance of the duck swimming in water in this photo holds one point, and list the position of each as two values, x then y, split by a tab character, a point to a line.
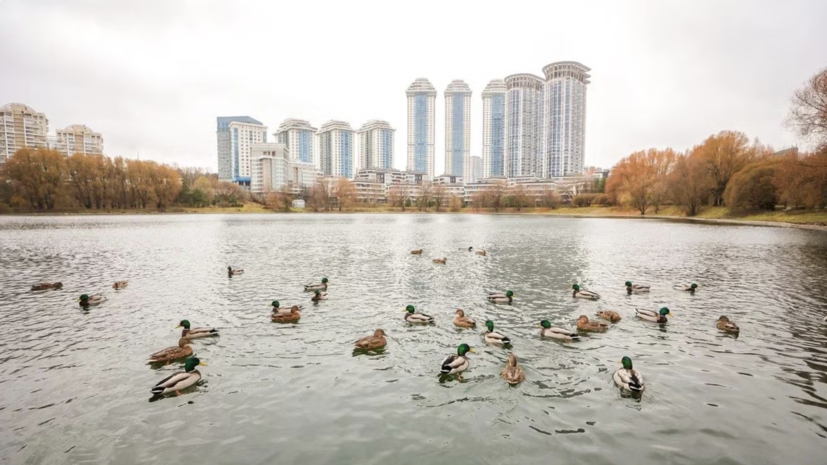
184	349
180	380
277	308
377	341
500	298
578	293
513	373
636	288
583	324
440	261
417	318
456	364
690	288
628	378
120	285
292	317
727	325
416	252
46	286
609	315
318	296
559	334
463	321
322	286
493	337
234	271
654	317
87	300
196	333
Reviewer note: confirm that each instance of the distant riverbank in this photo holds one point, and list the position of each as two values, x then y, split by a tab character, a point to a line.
805	219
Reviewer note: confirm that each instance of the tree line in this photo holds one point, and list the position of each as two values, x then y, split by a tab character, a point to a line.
728	169
41	179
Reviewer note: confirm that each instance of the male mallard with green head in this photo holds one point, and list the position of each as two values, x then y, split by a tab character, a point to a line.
318	296
628	378
195	333
179	380
87	300
277	308
578	293
560	334
655	317
500	298
322	286
417	318
493	337
636	288
456	364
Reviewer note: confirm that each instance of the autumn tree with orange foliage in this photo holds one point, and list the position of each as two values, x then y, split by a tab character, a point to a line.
753	188
641	179
37	176
724	154
689	183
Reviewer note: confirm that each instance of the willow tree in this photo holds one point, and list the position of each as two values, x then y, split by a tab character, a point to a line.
37	176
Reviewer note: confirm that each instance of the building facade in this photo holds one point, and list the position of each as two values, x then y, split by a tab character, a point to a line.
336	141
476	169
78	138
523	125
297	135
275	169
235	135
421	126
21	126
493	129
564	115
376	141
458	129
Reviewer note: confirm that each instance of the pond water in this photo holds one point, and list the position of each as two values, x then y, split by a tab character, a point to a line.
74	384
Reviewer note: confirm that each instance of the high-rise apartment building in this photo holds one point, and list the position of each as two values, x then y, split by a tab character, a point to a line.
274	169
336	149
421	126
21	126
376	145
297	135
235	135
78	138
564	125
523	125
493	129
458	129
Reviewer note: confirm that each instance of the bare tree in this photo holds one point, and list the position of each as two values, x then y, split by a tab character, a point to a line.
438	195
808	115
425	192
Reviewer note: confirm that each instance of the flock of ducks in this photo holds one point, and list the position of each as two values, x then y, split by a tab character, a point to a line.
625	377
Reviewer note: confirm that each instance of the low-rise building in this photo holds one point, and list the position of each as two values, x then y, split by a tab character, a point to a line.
274	170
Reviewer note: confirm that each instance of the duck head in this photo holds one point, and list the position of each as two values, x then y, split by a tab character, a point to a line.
464	349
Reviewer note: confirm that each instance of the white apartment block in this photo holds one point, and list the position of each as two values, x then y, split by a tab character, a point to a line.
493	129
564	128
21	126
78	138
336	139
298	135
421	126
524	125
274	169
458	129
235	135
376	141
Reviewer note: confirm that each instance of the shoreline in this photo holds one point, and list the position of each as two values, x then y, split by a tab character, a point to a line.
809	220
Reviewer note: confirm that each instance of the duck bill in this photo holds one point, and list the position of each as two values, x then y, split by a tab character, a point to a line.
472	351
179	326
202	364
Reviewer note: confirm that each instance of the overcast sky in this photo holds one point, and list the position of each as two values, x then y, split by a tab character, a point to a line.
152	75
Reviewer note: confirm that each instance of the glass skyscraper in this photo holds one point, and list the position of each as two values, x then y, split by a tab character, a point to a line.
564	114
336	149
421	115
235	135
297	135
493	129
376	145
458	129
523	125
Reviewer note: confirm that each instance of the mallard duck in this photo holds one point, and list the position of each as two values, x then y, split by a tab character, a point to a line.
513	374
318	295
470	249
456	364
87	300
416	252
234	271
724	324
636	288
172	353
481	252
277	308
492	337
180	380
653	316
120	285
412	317
440	261
609	315
500	298
291	317
629	378
583	294
557	333
690	288
583	324
376	341
463	321
46	286
322	286
195	333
